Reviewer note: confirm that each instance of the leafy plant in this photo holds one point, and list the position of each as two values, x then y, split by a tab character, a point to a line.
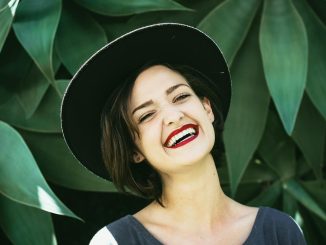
275	132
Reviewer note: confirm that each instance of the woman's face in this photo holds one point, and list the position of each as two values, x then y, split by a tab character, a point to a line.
175	126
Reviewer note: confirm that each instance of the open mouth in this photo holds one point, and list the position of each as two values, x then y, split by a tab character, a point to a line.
182	136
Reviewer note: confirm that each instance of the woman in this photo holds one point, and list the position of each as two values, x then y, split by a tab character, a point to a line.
150	107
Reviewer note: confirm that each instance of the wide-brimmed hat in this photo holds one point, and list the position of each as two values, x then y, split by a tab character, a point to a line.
93	83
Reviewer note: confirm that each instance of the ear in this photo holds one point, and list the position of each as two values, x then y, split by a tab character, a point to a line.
138	157
208	109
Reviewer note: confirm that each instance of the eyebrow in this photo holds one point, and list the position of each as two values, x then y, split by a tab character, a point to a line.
167	92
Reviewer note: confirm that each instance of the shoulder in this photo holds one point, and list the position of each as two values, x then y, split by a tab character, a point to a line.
108	234
103	237
277	227
126	230
277	219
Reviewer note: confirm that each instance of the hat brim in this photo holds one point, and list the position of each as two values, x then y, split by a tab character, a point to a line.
89	89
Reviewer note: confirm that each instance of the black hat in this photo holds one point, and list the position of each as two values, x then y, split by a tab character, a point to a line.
93	83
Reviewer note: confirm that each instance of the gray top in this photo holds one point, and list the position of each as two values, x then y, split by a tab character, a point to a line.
270	227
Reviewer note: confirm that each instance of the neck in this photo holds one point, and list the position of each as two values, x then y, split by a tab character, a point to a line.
195	195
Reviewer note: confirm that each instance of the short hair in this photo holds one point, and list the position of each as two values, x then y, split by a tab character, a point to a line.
119	132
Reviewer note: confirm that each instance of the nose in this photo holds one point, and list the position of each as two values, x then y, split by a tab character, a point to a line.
172	115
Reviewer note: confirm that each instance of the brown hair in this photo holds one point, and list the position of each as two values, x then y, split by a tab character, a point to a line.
118	132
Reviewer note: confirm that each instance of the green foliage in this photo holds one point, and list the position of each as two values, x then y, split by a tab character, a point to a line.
15	216
282	32
274	136
41	19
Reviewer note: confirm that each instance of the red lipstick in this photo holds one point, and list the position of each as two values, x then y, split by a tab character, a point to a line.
175	132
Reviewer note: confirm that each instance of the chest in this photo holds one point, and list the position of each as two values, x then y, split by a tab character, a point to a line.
233	234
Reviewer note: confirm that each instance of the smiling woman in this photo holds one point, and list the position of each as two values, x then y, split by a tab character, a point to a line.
155	121
142	178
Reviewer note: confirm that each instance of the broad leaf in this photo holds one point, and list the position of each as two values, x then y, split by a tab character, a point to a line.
29	85
117	27
13	58
312	141
303	167
256	173
21	180
299	193
284	48
120	8
290	205
35	26
247	192
229	23
26	225
32	89
58	164
317	190
276	148
319	7
313	233
3	4
316	85
268	196
45	119
249	107
78	37
7	13
320	224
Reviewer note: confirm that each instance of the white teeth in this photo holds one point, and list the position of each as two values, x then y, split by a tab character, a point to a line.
174	139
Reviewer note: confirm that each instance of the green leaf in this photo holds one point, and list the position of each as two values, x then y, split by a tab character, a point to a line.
303	167
117	27
45	119
316	86
299	193
248	111
247	192
13	58
256	172
319	7
28	85
32	89
121	8
317	190
312	141
267	197
284	48
58	164
290	205
229	23
313	232
3	5
78	37
35	26
276	148
26	225
320	225
7	13
21	180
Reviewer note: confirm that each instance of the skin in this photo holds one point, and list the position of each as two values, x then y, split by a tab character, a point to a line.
196	209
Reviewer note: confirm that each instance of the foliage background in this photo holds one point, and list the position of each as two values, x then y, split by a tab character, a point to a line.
275	131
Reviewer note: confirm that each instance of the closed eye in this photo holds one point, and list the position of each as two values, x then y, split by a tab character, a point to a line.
180	97
145	116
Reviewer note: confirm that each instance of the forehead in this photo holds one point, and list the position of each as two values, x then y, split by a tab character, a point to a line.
155	79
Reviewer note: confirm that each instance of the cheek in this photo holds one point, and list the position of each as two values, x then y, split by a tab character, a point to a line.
150	138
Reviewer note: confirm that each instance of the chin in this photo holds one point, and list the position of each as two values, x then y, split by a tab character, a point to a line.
194	155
